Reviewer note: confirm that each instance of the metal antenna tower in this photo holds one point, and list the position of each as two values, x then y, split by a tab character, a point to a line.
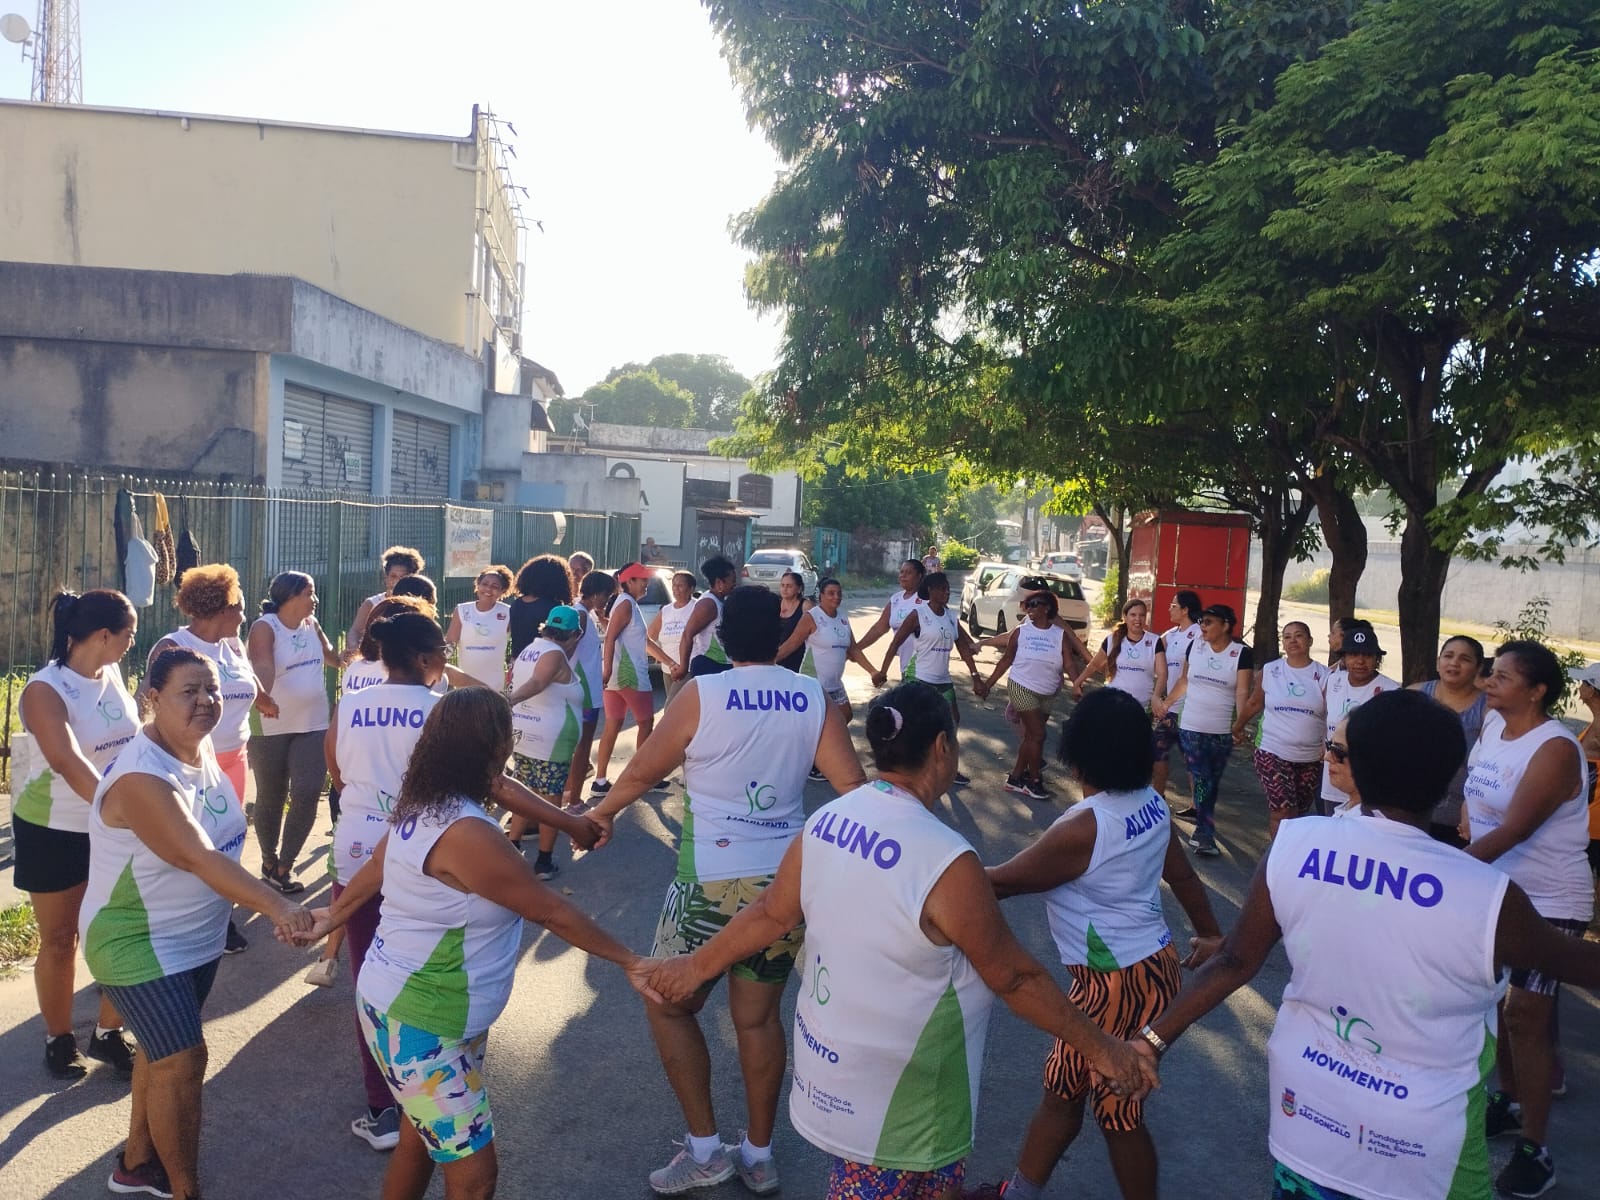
57	53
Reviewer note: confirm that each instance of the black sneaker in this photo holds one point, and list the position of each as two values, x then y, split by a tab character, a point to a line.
816	775
1035	790
599	787
1531	1172
1500	1119
1187	814
61	1058
962	780
112	1047
664	786
545	867
1013	784
235	943
147	1179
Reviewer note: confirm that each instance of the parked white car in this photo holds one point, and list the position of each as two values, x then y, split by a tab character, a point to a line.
1063	562
999	606
766	566
983	573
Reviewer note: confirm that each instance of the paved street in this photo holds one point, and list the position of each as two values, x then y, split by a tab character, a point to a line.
581	1106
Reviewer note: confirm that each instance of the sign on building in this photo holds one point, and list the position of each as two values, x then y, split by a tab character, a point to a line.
468	541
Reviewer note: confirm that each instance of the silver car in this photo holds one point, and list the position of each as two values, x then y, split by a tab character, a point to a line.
983	573
1062	562
766	567
999	606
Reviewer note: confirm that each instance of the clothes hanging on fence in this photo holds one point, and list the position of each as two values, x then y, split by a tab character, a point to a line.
161	539
139	566
188	553
121	524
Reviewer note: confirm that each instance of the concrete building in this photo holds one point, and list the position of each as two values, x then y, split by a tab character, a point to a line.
298	305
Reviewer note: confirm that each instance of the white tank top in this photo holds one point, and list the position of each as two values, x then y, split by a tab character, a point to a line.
744	771
1213	674
1136	666
238	679
707	641
1294	719
103	718
1110	916
889	1028
481	652
1037	662
362	674
297	684
546	726
931	647
141	917
443	960
1177	642
1386	1033
377	728
1551	865
827	649
899	605
586	662
673	622
1342	698
630	666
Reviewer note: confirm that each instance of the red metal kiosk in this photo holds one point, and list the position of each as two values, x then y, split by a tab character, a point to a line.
1207	552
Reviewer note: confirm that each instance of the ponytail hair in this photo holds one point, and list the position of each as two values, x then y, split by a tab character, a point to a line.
286	585
74	617
404	638
391	606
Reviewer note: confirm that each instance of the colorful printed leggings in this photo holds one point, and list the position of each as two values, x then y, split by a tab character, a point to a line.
1206	756
1292	788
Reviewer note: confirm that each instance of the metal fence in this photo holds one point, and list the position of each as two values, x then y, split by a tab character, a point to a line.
57	531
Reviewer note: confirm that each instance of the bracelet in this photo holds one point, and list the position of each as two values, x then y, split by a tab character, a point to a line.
1155	1040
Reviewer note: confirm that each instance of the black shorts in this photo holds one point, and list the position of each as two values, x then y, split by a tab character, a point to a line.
48	860
1594	857
702	664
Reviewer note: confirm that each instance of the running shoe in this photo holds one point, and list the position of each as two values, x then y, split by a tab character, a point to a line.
235	943
381	1132
816	774
599	787
1187	814
1501	1118
762	1178
683	1174
61	1057
147	1179
1204	846
112	1047
1531	1172
544	867
986	1191
1035	790
323	972
962	780
664	785
1013	784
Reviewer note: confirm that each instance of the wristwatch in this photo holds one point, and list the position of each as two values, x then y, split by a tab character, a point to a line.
1155	1040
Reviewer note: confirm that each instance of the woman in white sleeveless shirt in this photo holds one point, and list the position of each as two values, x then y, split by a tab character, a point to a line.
893	1012
1289	698
1133	658
594	593
666	629
165	836
546	706
1038	654
77	714
1526	812
1100	868
394	564
480	628
1380	1051
933	630
901	602
448	942
1355	681
824	633
700	652
746	739
288	651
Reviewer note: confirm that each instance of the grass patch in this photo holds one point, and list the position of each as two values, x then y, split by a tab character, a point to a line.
19	934
1313	589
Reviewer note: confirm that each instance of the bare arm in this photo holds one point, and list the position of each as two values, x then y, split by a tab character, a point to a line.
910	627
44	715
358	629
965	648
366	883
1096	665
855	655
1060	855
806	626
661	753
1553	775
329	657
330	749
259	649
1007	657
1179	873
1176	694
879	628
607	646
705	612
453	634
836	754
653	646
1241	690
1252	708
1522	938
544	674
515	796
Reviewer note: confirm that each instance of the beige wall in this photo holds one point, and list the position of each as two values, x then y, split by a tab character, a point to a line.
386	222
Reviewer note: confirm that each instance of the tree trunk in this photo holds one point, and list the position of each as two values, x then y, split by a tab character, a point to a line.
1115	518
1423	567
1345	535
1281	526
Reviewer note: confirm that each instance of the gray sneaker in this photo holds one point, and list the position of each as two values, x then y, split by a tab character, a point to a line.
683	1174
381	1132
762	1179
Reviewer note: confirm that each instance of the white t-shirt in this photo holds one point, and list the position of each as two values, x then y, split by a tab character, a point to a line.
297	684
674	619
1295	713
1342	698
1213	674
1550	865
481	652
238	680
1135	666
103	718
1177	642
1036	665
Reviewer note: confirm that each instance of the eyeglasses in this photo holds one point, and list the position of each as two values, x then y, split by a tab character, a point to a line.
1036	602
1340	753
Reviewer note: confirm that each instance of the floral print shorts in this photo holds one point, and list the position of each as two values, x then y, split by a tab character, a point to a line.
695	912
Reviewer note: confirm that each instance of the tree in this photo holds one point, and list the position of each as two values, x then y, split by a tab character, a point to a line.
897	502
710	378
640	397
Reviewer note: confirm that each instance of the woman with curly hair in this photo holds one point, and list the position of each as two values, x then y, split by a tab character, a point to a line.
455	893
544	581
397	562
481	627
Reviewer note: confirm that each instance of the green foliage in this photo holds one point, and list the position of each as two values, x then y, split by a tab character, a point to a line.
969	516
640	397
899	503
717	388
1105	608
19	934
957	557
1313	589
1533	625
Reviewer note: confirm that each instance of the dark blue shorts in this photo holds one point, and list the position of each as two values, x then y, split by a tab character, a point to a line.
164	1013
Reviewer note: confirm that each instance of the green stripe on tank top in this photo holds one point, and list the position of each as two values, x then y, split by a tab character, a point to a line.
1470	1181
686	871
808	664
117	943
1100	956
434	998
33	802
567	740
929	1117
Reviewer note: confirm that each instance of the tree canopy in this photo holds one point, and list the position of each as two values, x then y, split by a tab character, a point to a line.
711	379
640	397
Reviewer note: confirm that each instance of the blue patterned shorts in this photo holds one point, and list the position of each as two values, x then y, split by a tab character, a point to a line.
438	1083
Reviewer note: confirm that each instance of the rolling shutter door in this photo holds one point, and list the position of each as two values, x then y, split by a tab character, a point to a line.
420	462
327	442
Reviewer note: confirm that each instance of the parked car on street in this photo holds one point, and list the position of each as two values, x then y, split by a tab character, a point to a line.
765	568
999	606
983	573
1063	562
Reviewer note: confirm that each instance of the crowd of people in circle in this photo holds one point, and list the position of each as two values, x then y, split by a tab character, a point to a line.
1430	871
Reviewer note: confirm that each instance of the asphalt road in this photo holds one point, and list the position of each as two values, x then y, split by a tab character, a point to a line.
581	1106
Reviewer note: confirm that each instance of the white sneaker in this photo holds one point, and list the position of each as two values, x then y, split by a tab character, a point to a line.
683	1174
323	972
381	1132
762	1178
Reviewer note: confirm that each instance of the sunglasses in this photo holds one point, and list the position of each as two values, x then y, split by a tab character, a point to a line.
1036	602
1340	753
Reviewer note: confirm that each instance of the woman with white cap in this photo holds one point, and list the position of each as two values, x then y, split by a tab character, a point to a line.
1355	681
625	670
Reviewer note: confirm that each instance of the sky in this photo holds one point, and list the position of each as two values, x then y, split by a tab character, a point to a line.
630	138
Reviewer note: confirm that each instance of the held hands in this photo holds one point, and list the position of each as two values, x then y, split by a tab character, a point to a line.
879	678
679	670
1122	1067
1200	949
319	926
638	972
981	689
673	980
1158	706
266	705
291	923
588	833
604	829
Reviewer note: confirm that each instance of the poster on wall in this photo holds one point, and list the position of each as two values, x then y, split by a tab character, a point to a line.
468	541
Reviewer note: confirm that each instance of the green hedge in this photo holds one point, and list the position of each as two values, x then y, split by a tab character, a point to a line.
957	557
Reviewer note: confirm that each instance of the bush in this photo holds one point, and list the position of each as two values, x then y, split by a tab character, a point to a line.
1105	608
19	934
1313	589
1533	625
957	557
